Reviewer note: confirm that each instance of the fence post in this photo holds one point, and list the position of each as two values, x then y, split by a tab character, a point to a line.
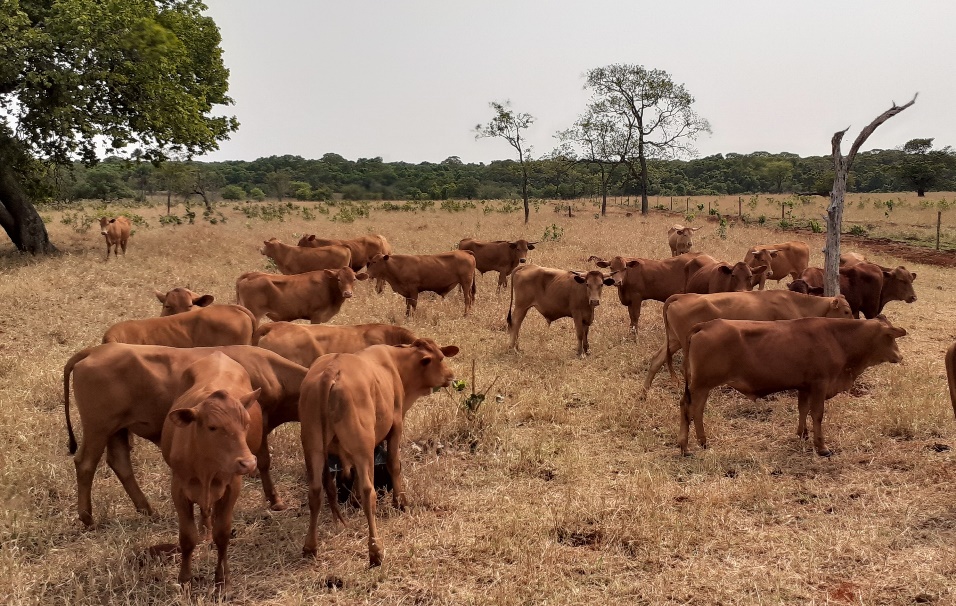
740	207
939	222
687	205
781	211
708	207
672	202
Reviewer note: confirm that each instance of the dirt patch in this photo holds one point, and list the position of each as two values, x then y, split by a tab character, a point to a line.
916	254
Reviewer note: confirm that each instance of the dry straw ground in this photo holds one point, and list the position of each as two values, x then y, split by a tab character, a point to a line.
569	491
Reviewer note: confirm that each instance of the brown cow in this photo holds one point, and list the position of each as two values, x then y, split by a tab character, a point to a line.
786	259
869	287
350	403
680	239
556	293
498	255
298	259
818	357
303	343
722	277
409	275
951	374
203	327
851	258
639	279
128	389
315	296
362	248
683	312
800	286
181	300
208	439
116	231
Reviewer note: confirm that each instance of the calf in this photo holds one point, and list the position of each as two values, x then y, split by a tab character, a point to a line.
315	296
680	239
350	403
639	279
203	327
116	231
362	248
683	312
181	300
298	259
304	343
722	277
818	357
786	259
868	287
498	255
208	438
800	286
128	389
556	293
409	275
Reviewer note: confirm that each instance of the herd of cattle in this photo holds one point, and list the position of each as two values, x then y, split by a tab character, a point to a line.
208	383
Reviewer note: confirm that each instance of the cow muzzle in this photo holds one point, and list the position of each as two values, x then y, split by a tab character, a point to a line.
347	294
911	299
103	232
595	302
522	260
246	465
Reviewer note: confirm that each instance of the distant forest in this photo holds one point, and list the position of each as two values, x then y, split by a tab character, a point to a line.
914	167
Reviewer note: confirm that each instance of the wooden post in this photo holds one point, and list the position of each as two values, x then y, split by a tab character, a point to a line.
708	207
939	222
740	207
672	202
687	205
569	210
781	211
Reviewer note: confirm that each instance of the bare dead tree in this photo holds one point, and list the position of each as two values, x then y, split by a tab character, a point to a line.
834	215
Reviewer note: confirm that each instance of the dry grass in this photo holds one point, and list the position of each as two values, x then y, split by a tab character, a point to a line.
570	491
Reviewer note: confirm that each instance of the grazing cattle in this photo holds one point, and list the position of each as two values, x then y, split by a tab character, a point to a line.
209	435
499	255
639	279
818	357
304	343
203	327
362	248
116	231
350	403
680	239
315	296
409	275
683	312
722	277
951	374
181	300
868	287
556	293
787	259
851	258
128	389
299	259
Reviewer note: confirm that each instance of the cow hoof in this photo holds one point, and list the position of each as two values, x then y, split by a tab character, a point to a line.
309	552
826	452
374	560
87	521
278	506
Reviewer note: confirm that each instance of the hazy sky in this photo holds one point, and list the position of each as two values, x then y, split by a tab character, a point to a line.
409	80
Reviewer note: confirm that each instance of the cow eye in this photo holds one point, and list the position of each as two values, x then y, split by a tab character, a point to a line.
213	428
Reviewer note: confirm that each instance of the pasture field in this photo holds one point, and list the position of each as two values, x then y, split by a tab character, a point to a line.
569	490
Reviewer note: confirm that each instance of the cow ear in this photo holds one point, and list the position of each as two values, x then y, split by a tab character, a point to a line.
580	279
113	220
182	416
250	398
361	276
385	257
759	270
898	332
725	269
512	245
602	263
204	301
161	296
914	276
450	351
531	247
609	281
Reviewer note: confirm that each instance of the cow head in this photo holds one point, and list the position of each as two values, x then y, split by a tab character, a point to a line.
519	250
219	424
838	308
104	224
741	275
428	359
762	256
594	281
346	278
883	348
308	240
802	287
377	266
180	300
269	247
898	285
617	265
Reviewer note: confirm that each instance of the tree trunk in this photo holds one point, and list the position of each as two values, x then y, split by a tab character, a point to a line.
920	193
604	180
524	191
643	161
19	218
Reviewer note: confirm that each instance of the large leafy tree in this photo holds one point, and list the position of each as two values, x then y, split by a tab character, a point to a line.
595	140
922	167
80	75
509	124
652	114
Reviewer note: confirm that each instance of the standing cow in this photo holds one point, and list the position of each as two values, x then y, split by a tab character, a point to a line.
498	255
556	293
116	231
362	248
299	259
867	286
818	357
304	343
409	275
786	259
722	277
350	403
204	327
315	296
680	239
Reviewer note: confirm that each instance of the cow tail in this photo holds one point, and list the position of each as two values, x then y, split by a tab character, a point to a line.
686	398
667	344
512	302
252	321
951	374
327	481
67	370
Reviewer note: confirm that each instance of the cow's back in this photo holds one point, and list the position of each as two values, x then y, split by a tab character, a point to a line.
211	326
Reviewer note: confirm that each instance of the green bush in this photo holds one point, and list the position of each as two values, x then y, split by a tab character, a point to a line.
233	192
257	194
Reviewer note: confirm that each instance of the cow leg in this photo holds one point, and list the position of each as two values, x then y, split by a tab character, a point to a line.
86	460
698	398
658	361
634	313
517	317
683	434
394	465
411	304
502	281
379	286
468	295
803	409
188	535
315	460
123	243
364	471
222	528
117	457
581	329
816	411
264	463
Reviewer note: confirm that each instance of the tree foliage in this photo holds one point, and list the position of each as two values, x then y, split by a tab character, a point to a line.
508	124
922	168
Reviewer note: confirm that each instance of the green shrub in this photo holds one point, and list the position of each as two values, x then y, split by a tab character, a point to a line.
257	194
232	192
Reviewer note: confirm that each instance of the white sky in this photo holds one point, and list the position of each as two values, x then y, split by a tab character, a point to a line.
409	80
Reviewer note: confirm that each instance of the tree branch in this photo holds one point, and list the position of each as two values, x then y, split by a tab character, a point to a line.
866	132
